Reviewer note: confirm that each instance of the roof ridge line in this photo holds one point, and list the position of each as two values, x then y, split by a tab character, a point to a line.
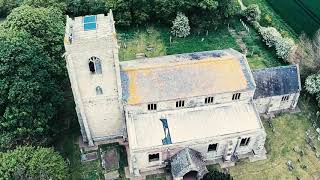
178	63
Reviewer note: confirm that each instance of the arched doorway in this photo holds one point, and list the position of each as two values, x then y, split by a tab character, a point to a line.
192	175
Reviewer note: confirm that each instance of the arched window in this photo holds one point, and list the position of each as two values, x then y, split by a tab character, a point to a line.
95	65
99	90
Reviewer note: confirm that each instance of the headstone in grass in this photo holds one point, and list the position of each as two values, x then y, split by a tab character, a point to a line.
290	165
111	175
140	55
149	48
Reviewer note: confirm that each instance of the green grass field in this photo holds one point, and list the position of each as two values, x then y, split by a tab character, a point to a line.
301	15
289	133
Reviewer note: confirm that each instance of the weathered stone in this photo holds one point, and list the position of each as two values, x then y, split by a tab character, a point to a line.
111	175
110	159
89	156
290	165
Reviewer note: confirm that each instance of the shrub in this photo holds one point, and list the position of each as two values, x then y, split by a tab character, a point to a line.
33	163
268	19
252	13
180	27
284	47
312	84
270	35
216	175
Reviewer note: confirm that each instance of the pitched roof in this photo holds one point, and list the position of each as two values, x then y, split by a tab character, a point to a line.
277	81
184	75
185	161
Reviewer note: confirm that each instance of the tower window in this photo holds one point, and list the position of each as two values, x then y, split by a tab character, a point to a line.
212	147
152	107
180	103
244	141
236	96
208	100
154	157
95	65
99	90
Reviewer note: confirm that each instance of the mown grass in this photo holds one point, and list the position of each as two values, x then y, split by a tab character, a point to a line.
289	133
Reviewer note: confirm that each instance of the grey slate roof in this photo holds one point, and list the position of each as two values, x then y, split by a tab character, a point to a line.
276	81
187	160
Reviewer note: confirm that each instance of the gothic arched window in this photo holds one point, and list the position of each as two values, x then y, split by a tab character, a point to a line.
95	65
99	90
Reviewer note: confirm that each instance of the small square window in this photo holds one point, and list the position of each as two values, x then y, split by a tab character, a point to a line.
152	107
208	100
285	98
244	141
89	23
212	147
180	103
154	157
236	96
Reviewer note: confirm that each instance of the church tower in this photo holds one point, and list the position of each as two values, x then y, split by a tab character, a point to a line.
93	68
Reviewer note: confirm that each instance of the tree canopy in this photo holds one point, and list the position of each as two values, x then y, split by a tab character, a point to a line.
32	163
44	24
29	91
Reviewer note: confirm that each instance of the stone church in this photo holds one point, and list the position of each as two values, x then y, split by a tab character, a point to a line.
180	112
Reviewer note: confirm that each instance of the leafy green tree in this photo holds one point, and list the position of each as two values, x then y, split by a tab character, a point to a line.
44	24
180	27
270	35
284	47
165	10
140	11
30	93
312	84
61	4
121	11
252	13
32	163
97	7
228	8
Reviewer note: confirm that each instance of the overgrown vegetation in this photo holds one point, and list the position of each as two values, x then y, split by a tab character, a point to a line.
69	148
155	41
33	163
